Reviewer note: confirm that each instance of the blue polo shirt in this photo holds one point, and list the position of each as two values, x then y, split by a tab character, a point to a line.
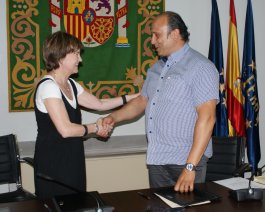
174	88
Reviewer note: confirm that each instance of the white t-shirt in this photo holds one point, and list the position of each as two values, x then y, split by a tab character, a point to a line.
50	89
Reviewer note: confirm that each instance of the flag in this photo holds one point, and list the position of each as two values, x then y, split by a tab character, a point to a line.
216	56
233	80
250	91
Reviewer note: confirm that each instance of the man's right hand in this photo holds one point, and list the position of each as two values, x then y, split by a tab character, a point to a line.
105	126
108	122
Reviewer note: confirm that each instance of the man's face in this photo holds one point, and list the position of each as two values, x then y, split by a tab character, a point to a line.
161	39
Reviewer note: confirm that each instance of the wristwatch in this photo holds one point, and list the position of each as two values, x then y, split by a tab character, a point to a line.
190	167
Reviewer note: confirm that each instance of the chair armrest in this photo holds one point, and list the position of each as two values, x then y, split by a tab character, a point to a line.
239	172
28	160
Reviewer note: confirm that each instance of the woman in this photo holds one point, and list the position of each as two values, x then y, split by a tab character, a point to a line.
59	150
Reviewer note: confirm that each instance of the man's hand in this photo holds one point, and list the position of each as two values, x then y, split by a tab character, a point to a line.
185	181
108	122
103	130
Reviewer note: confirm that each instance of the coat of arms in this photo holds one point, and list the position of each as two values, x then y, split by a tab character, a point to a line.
101	25
92	21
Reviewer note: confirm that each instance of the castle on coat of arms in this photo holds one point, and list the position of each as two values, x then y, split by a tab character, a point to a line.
76	6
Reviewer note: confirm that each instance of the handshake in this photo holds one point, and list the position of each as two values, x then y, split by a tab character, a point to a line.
104	126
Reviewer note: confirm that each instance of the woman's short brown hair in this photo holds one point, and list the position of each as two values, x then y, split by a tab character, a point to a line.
57	46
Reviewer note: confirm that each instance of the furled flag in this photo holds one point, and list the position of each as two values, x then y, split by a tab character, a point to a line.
235	112
216	56
250	91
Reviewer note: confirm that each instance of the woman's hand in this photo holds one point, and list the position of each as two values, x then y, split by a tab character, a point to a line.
103	130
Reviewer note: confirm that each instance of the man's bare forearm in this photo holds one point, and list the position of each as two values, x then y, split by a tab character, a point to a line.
203	131
131	110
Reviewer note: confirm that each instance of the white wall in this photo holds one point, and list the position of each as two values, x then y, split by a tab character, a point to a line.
196	14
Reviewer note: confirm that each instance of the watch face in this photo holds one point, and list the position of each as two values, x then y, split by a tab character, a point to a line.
189	166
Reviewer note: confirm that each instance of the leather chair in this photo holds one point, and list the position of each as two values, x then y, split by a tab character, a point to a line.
10	172
228	159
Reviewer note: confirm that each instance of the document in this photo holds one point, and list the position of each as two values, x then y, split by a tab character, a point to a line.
176	199
169	202
260	179
236	183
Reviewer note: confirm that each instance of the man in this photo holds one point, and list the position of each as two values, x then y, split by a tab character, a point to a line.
179	98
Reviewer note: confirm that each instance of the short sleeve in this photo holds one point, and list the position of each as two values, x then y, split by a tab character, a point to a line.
144	89
206	84
47	89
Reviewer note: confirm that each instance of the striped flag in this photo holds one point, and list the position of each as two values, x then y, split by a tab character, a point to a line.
216	56
250	91
233	80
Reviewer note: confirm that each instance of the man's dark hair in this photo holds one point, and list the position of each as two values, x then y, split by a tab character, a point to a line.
176	22
57	46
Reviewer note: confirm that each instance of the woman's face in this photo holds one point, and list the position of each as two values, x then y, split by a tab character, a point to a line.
71	61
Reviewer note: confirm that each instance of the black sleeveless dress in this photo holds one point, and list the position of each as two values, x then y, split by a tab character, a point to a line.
61	159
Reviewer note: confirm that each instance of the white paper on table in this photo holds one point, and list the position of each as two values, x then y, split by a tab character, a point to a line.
259	179
236	183
175	205
168	202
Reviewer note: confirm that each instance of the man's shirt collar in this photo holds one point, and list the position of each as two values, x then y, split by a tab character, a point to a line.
175	56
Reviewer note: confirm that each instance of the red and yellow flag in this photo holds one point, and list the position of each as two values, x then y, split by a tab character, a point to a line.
233	80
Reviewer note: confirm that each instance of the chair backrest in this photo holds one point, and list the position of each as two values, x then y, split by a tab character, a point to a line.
228	155
9	160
